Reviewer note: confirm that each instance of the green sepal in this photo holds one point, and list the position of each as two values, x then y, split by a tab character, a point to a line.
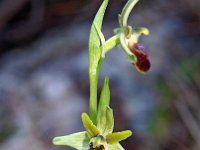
91	129
120	20
106	121
115	147
123	17
131	56
116	137
95	59
78	140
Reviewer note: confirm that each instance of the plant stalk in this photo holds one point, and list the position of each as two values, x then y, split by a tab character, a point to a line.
109	44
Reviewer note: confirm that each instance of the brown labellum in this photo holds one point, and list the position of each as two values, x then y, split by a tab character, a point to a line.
143	64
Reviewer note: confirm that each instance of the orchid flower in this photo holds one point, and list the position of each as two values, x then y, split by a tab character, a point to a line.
99	125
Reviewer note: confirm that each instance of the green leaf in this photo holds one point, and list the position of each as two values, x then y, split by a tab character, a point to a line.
123	17
78	140
94	40
115	147
91	129
102	39
116	137
131	56
95	59
104	97
106	121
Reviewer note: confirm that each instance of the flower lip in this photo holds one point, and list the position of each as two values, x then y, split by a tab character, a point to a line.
143	64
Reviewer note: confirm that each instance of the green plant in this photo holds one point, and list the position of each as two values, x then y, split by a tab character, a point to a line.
99	126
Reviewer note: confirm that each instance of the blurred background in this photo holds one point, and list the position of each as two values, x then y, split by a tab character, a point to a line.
44	84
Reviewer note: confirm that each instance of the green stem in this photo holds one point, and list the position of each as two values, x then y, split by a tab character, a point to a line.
93	97
112	42
109	44
93	93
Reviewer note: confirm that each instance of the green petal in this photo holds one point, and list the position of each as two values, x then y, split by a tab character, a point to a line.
95	59
114	138
141	30
78	140
106	121
91	129
131	56
115	147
